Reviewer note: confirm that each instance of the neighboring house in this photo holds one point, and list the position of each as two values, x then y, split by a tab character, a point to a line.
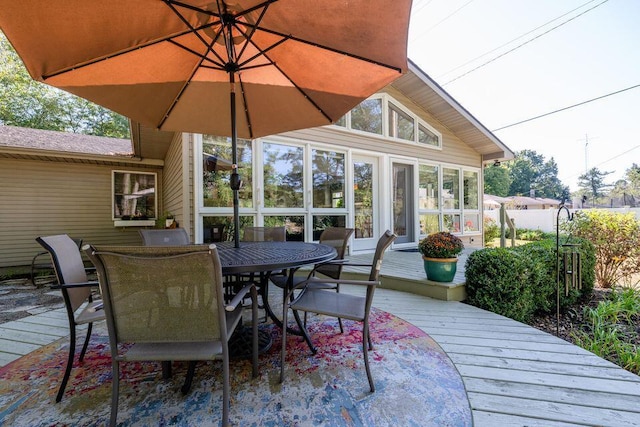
519	202
409	159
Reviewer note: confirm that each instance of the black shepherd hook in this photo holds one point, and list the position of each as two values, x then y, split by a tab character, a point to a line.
561	208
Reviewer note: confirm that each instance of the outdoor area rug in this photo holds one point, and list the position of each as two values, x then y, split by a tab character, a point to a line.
416	384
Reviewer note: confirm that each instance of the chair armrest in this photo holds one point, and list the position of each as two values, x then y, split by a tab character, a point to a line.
75	285
338	281
237	299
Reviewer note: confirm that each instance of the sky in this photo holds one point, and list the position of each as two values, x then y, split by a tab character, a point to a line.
595	53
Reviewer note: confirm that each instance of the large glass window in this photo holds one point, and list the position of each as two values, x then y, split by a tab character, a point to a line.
401	124
283	176
470	189
429	223
216	170
328	179
320	222
220	228
293	223
428	194
451	188
367	116
363	199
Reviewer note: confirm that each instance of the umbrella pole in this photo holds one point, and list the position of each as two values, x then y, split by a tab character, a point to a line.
235	178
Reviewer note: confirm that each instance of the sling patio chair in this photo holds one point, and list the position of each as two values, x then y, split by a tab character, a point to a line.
77	292
337	237
148	320
164	237
316	299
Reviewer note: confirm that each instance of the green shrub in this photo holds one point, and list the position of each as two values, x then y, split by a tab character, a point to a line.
524	279
491	230
616	238
543	255
499	280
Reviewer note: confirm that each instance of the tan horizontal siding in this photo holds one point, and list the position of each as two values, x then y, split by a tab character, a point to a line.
44	198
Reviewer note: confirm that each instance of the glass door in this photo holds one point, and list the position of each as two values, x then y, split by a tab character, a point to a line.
403	216
365	202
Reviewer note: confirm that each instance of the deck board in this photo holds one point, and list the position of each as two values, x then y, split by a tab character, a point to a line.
515	375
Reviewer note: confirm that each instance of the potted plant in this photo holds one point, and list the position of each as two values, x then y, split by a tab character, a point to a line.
440	254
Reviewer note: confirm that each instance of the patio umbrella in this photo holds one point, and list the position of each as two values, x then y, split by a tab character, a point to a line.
243	68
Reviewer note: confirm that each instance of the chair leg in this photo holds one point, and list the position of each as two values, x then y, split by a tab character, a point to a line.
191	370
341	327
67	371
86	341
367	340
115	386
283	350
225	387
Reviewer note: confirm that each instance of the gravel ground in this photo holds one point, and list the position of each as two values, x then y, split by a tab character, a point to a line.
20	298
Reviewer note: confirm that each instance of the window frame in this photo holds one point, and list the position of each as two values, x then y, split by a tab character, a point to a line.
389	103
118	220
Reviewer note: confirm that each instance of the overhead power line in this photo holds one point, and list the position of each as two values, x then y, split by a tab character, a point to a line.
566	108
524	43
441	21
513	40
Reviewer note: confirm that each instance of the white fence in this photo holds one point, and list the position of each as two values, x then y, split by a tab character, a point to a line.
543	219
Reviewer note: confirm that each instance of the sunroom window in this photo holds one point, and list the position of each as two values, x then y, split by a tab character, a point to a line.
401	124
425	136
367	116
216	172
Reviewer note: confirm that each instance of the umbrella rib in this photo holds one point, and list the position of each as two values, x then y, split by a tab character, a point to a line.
331	49
182	89
195	32
122	52
218	65
246	110
248	35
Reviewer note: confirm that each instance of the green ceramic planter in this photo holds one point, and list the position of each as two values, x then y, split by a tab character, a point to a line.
440	269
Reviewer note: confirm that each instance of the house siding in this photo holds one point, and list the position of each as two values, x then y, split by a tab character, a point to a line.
39	198
177	196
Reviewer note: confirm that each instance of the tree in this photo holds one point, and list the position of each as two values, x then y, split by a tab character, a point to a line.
592	183
25	102
530	171
497	181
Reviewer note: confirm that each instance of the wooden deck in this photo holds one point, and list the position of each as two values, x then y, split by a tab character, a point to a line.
515	375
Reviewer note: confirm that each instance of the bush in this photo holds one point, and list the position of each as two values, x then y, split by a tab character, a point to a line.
542	255
616	238
491	230
499	280
518	282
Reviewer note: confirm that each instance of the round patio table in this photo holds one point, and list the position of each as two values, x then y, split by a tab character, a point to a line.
267	257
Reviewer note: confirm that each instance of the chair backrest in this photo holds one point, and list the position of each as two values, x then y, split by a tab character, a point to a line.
164	237
68	266
264	234
161	294
383	243
338	237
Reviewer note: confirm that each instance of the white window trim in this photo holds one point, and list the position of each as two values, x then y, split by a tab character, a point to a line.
386	133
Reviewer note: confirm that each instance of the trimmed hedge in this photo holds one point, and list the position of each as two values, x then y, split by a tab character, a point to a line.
518	282
498	280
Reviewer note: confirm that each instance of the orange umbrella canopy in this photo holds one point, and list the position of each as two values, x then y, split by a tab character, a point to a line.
172	65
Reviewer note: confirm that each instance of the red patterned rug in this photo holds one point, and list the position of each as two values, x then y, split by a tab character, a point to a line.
416	384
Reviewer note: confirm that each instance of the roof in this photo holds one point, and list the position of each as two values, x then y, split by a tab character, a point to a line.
430	96
38	139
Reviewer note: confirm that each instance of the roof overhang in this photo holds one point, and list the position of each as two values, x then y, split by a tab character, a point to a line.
425	92
150	143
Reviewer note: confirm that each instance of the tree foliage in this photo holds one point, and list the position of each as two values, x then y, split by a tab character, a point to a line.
25	102
530	171
592	183
497	181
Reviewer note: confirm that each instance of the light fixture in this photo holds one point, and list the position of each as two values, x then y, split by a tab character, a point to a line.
496	163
